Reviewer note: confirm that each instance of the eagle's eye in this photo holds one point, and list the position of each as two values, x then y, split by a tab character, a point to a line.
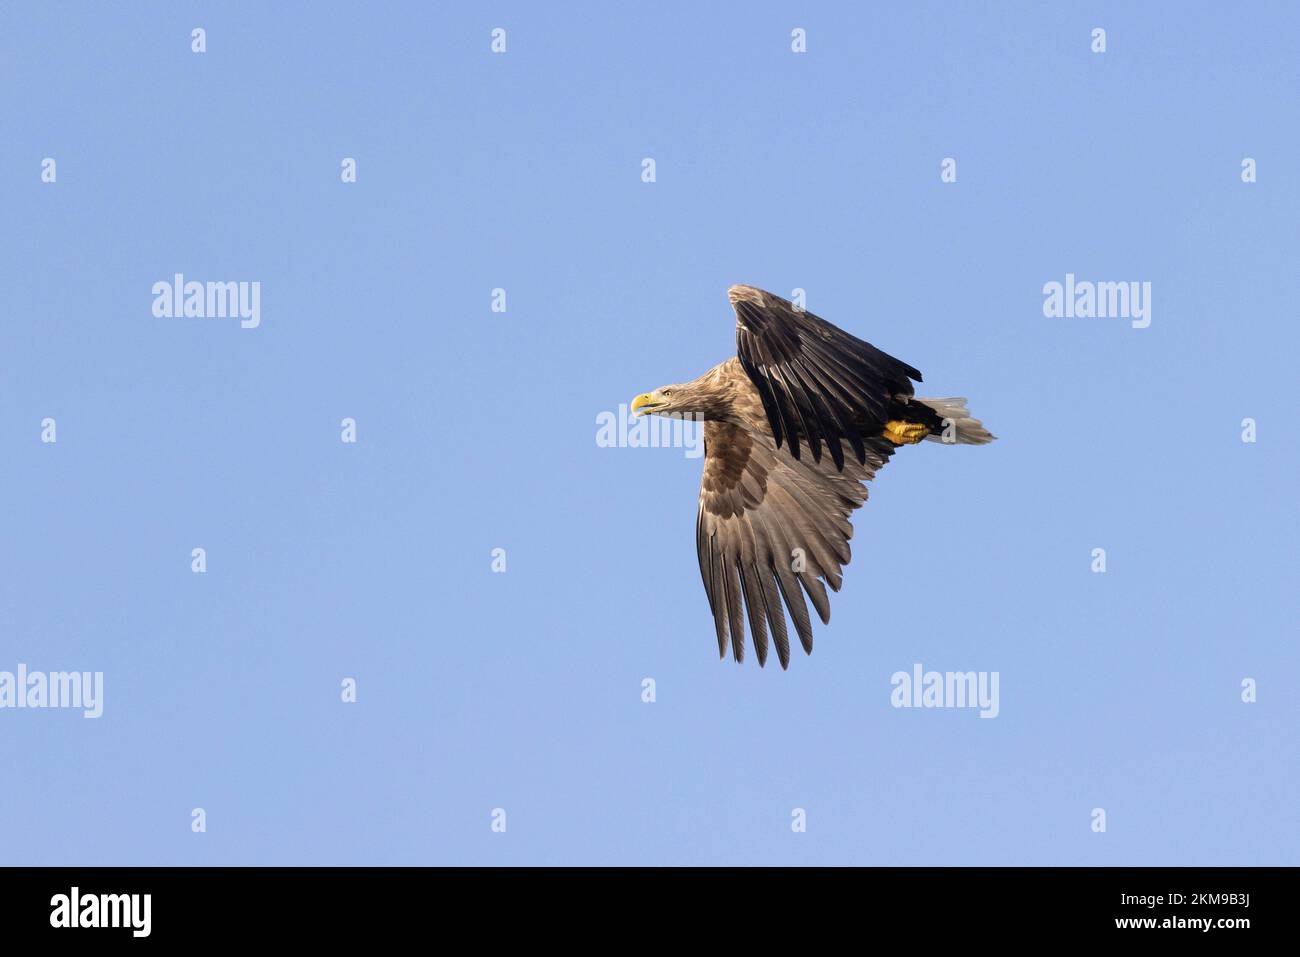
667	393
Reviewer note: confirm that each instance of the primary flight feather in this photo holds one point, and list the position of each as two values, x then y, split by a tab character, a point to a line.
793	425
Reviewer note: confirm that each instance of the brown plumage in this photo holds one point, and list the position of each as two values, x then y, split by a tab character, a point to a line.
773	520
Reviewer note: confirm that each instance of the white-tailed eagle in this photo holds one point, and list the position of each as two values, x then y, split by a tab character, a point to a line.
793	425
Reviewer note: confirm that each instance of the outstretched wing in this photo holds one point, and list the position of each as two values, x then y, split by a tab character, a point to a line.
817	382
769	524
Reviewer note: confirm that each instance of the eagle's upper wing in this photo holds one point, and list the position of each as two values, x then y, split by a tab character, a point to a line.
816	381
768	523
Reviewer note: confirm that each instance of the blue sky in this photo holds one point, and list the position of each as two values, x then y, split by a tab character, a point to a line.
476	430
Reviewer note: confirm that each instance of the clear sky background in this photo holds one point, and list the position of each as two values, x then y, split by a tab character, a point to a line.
477	430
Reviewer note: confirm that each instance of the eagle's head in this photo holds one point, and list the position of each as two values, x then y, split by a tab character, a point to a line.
705	399
667	400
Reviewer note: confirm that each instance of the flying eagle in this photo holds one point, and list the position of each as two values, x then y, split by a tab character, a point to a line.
793	425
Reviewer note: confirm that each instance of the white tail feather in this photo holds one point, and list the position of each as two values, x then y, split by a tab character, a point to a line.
959	427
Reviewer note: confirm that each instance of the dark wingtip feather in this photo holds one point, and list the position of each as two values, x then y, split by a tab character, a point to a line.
817	593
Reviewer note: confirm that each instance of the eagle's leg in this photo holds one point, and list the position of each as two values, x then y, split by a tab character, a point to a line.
905	433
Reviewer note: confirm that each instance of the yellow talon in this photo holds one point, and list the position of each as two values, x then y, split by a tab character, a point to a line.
905	433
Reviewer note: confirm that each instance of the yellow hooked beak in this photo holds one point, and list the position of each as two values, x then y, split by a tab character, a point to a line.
644	403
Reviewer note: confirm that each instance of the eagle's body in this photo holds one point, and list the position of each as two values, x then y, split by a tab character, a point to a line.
793	425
